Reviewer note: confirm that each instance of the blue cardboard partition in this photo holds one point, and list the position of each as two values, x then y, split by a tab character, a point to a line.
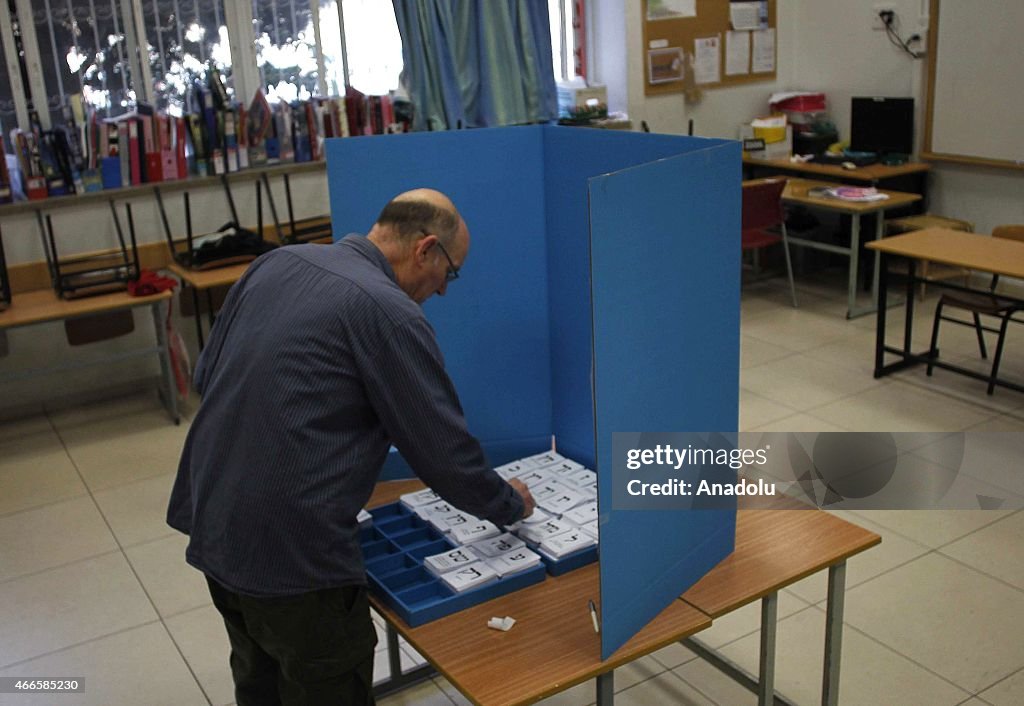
600	294
665	294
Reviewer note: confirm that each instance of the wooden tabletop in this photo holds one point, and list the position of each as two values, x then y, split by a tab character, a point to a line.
206	279
775	548
552	646
974	251
870	173
797	192
44	305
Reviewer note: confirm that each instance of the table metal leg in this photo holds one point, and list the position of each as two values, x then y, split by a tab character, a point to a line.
170	392
851	280
394	656
833	634
883	301
908	322
396	680
606	688
766	671
198	315
879	234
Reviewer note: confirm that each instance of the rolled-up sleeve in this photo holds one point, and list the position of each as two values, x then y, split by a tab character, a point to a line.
416	401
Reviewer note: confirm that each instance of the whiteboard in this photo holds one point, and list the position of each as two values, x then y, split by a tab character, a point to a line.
976	82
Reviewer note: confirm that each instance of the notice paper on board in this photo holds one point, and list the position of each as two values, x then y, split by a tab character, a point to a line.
707	60
748	15
670	9
737	53
763	59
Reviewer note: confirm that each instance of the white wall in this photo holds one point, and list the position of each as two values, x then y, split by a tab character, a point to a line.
823	45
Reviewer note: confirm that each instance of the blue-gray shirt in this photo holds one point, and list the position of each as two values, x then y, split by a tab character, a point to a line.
318	362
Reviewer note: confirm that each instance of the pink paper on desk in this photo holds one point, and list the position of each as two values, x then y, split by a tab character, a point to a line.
857	193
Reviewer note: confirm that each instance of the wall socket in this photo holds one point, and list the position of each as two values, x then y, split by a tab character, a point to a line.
876	12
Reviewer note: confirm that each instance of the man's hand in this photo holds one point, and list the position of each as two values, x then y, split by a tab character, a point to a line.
528	502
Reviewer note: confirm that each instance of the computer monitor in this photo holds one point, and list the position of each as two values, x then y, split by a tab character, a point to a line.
882	125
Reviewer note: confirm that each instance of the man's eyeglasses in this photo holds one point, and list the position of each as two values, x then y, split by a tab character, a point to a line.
453	272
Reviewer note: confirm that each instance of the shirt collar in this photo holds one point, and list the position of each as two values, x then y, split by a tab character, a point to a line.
365	247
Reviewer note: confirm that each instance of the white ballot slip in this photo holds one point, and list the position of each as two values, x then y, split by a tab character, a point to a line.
534	478
438	564
583	477
474	531
582	514
543	491
511	470
496	546
591	529
435	509
539	532
563	501
566	543
468	577
563	468
421	497
513	562
535	518
364	519
543	459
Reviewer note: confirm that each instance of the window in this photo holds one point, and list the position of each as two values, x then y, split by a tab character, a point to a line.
82	48
565	20
285	49
374	46
184	38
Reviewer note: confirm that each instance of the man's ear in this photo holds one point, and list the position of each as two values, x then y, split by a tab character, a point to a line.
423	247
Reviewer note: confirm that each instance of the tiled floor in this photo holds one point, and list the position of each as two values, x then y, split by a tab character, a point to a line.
93	583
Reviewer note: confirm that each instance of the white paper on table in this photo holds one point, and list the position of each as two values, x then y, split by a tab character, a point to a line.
469	577
425	512
421	497
495	546
450	560
563	467
707	60
464	534
550	528
543	459
745	15
560	545
513	562
737	53
533	478
585	513
763	58
563	502
583	478
513	469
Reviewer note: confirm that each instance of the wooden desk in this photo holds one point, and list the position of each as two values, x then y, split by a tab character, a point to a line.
912	176
205	281
41	306
797	193
774	549
554	647
972	251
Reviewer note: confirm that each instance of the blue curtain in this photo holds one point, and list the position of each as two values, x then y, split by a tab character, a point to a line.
477	63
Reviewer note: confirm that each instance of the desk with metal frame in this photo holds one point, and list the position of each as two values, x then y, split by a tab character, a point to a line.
912	176
41	306
797	193
972	251
206	281
553	646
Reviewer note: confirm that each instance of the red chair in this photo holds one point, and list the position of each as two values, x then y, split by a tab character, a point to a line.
762	215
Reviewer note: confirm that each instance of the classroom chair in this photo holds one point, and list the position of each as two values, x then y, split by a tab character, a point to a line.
978	304
763	215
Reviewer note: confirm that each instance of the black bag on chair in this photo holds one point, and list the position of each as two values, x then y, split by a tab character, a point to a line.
228	245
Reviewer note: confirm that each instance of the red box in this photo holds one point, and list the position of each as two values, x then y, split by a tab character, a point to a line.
807	103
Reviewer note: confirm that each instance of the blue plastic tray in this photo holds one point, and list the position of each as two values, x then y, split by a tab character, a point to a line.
393	552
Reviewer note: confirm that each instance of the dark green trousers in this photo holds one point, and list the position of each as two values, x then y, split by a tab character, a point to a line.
304	650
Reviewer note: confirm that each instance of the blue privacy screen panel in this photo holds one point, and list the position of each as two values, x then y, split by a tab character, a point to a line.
492	325
665	249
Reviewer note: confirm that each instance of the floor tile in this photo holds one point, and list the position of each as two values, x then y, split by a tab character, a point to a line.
674	655
797	422
171	583
870	674
932	528
756	410
945	616
897	408
746	620
121	448
1008	692
52	535
803	383
990	455
714	684
754	351
794	329
994	550
137	511
423	694
203	640
68	605
894	551
36	470
665	689
14	429
138	666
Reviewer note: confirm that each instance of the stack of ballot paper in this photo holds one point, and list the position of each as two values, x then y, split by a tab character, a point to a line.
449	561
423	497
513	562
496	546
474	531
565	543
437	509
467	577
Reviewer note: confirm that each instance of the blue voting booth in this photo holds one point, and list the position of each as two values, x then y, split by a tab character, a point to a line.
600	295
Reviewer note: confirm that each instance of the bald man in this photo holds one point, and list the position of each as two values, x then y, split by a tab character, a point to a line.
321	358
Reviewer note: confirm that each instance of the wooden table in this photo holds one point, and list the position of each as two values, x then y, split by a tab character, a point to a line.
798	192
43	305
553	645
912	176
774	549
206	281
972	251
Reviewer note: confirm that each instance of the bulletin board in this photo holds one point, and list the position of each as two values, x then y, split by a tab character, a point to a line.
673	28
